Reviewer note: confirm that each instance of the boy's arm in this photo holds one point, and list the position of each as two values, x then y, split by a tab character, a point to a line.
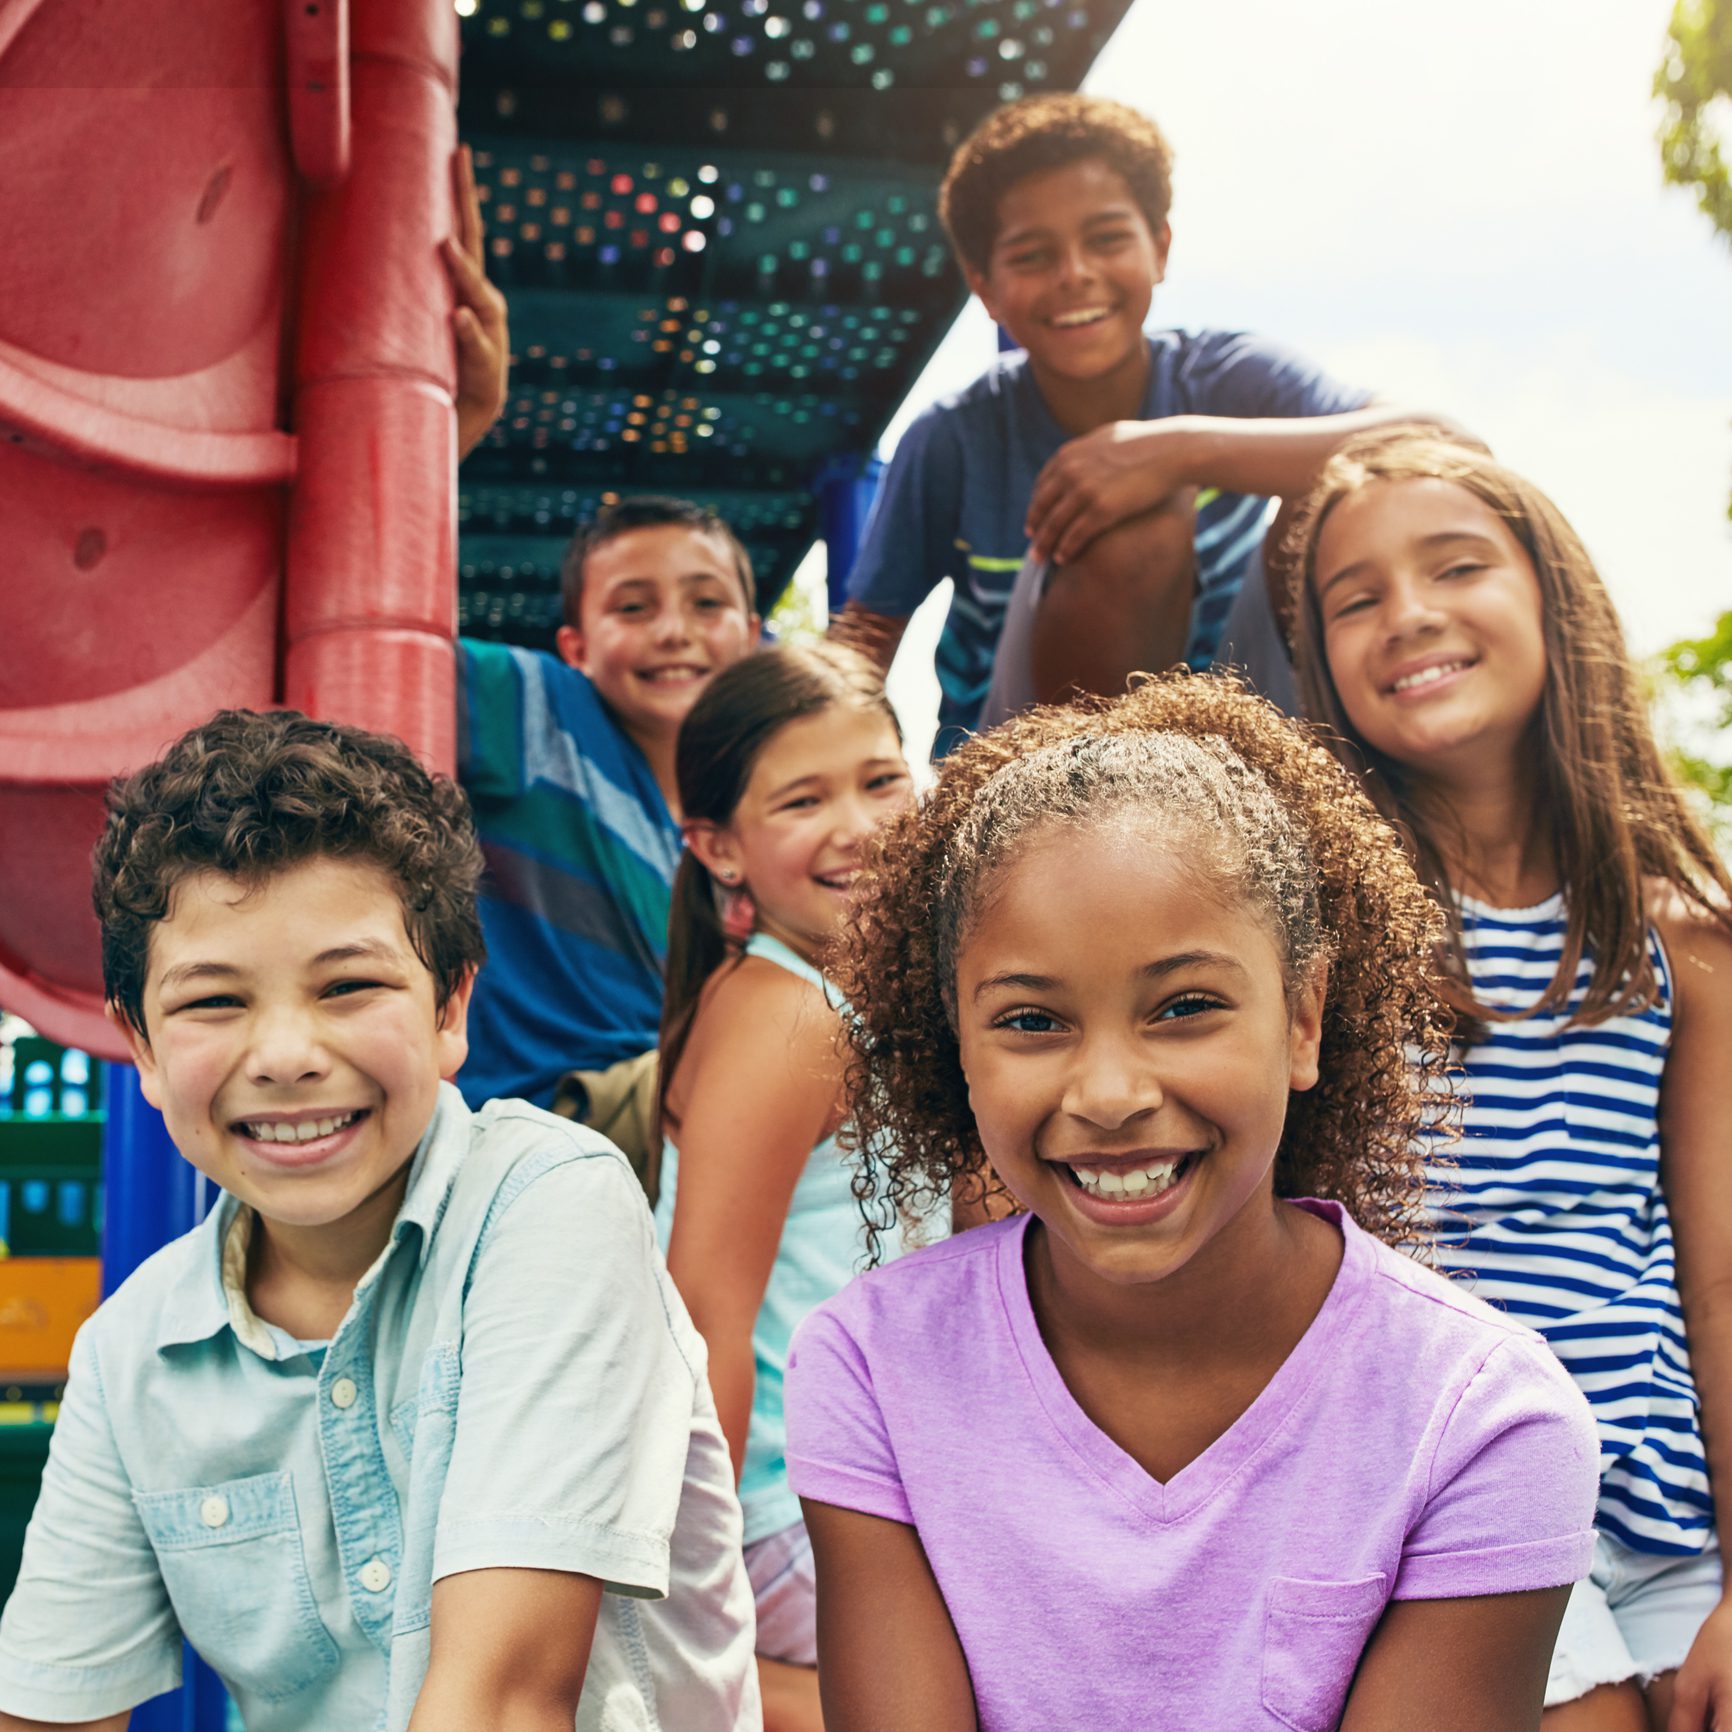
573	1424
509	1651
478	321
909	546
875	635
114	1723
1129	467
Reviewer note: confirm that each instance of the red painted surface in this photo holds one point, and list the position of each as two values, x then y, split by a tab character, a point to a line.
225	413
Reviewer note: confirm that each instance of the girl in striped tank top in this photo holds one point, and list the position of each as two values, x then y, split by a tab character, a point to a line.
1453	636
786	764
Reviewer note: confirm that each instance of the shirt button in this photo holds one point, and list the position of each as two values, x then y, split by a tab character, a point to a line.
343	1392
214	1511
375	1575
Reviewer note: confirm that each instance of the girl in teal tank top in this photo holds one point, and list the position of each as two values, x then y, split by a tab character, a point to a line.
786	764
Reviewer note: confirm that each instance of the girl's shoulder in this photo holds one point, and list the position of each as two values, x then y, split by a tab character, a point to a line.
749	1009
1684	918
1698	942
929	1294
751	995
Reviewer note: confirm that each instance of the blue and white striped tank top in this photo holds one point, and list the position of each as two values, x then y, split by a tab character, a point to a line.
1553	1207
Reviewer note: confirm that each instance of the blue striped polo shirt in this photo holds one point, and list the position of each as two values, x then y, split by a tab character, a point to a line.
956	493
581	851
1553	1210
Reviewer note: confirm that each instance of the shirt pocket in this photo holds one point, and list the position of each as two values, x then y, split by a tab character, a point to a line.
1313	1636
236	1573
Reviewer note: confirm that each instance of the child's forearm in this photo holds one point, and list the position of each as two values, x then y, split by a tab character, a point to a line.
733	1374
875	635
1126	468
1280	458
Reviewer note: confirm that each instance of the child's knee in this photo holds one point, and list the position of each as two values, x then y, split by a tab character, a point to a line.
1153	554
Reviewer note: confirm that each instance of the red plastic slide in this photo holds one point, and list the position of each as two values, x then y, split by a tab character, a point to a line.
226	433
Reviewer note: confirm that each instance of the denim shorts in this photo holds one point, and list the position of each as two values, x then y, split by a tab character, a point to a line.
1632	1619
785	1586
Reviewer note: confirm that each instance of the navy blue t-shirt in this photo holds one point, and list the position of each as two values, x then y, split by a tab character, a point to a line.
956	493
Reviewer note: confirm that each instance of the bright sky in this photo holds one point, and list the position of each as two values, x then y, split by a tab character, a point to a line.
1459	207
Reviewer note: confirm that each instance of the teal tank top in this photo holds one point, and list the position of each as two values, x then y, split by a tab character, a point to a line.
821	1250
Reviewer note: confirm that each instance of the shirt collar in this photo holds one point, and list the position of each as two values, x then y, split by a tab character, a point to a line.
202	1305
434	1172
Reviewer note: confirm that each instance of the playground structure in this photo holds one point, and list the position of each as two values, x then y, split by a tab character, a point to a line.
226	429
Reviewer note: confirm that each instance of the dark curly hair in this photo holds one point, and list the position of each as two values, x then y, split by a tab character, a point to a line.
1253	801
1041	133
250	794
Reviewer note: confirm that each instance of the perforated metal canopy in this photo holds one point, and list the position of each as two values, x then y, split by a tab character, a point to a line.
715	221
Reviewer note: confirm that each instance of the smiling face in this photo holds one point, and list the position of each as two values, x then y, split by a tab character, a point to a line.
818	789
1072	270
294	1047
1129	1046
662	612
1432	627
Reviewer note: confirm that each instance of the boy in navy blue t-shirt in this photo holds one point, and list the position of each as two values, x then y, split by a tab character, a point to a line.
1131	471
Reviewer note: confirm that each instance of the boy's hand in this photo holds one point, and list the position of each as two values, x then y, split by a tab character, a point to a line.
1702	1690
1099	480
483	342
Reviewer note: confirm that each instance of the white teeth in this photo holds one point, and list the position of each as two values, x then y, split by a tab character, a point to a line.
1426	676
1082	316
306	1131
1147	1181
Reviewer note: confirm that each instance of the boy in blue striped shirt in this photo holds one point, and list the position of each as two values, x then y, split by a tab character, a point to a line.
568	761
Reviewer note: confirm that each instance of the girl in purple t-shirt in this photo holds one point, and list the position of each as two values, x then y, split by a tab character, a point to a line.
1167	1447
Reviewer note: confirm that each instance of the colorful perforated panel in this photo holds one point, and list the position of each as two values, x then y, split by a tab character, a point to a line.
716	224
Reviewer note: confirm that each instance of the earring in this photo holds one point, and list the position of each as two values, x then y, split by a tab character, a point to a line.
727	875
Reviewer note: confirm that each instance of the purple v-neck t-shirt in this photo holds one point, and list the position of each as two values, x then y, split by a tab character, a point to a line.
1415	1445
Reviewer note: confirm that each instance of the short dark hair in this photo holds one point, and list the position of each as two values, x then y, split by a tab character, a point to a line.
251	794
1045	132
647	511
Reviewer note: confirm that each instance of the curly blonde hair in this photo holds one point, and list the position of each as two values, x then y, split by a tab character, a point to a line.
1256	803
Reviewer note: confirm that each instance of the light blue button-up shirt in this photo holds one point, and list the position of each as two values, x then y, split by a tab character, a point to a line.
515	1385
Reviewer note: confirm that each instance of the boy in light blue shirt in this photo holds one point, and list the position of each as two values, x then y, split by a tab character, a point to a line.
413	1431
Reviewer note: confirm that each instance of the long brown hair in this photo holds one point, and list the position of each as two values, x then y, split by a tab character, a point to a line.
741	710
1614	817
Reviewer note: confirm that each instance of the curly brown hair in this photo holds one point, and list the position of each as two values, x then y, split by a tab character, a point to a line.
1613	815
1045	132
1253	801
251	794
